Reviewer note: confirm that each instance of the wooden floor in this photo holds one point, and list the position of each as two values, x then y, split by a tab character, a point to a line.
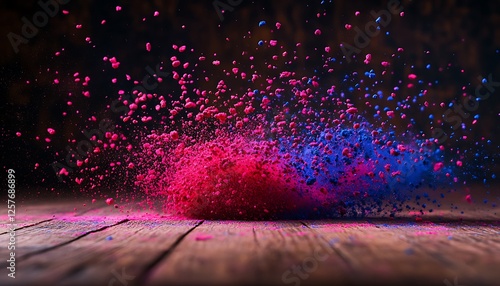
101	245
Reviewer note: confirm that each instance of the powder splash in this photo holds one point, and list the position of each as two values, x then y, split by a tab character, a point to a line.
254	138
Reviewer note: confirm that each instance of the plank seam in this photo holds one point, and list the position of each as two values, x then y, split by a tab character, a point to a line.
141	279
31	254
29	225
255	237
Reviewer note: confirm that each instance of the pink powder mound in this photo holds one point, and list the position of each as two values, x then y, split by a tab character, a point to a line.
233	178
226	179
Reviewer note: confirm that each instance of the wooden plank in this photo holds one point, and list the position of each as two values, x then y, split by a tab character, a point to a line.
376	257
73	248
466	251
41	237
403	253
119	253
244	253
30	213
346	252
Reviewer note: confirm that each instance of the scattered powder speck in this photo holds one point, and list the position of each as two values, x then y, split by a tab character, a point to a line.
203	237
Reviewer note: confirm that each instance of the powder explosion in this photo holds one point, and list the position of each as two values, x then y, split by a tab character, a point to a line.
279	144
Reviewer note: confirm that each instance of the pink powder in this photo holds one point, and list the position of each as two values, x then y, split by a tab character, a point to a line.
203	237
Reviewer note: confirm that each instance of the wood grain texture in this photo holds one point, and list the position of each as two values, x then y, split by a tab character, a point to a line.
103	256
240	253
101	245
403	252
52	234
35	212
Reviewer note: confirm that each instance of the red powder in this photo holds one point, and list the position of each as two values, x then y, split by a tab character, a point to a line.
468	198
230	178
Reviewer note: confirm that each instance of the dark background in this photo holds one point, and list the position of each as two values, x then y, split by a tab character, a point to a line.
451	35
